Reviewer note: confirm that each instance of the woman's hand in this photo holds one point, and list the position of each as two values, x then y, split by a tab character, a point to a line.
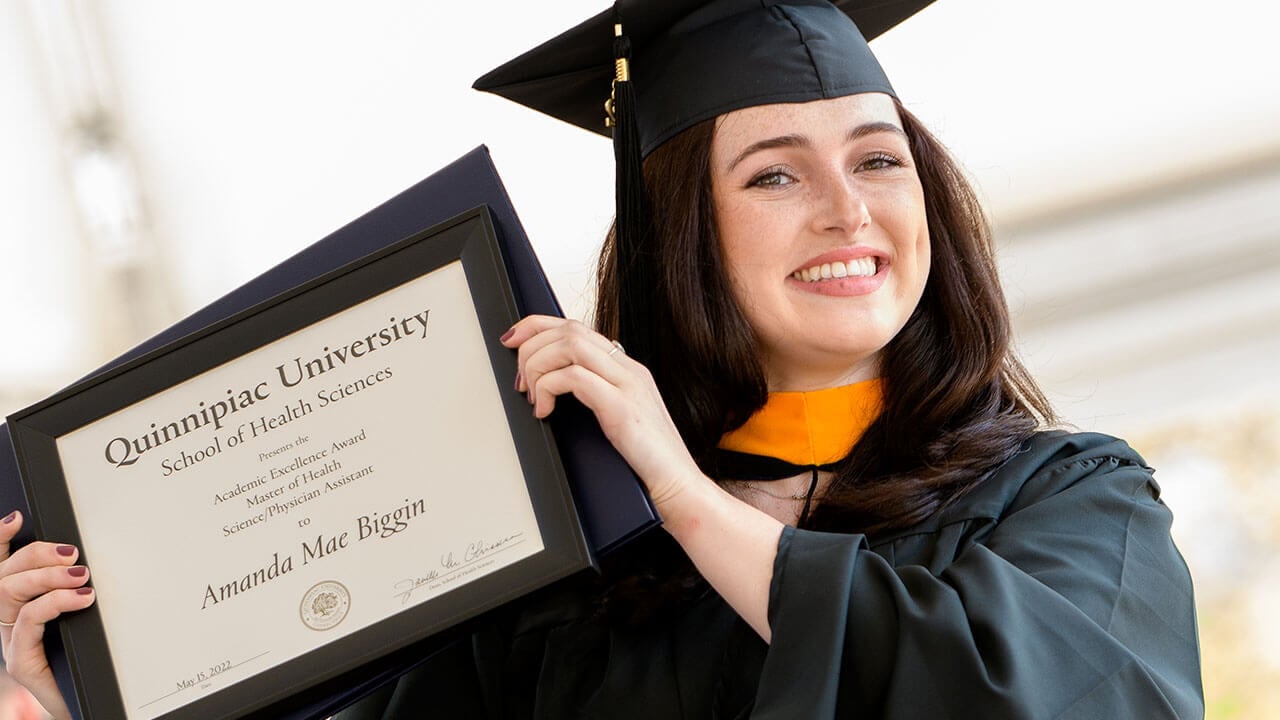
561	356
732	543
558	356
37	584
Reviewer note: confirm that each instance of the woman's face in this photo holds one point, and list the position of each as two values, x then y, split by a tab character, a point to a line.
822	224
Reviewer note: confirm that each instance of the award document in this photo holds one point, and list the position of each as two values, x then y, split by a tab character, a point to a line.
317	481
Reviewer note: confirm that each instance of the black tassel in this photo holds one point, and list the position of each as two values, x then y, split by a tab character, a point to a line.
636	272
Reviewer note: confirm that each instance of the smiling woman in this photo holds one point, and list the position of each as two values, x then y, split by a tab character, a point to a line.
802	190
867	512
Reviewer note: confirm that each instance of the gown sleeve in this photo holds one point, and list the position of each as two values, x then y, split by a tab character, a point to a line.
1068	600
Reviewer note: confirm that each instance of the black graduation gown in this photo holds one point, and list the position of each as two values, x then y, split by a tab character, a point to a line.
1052	590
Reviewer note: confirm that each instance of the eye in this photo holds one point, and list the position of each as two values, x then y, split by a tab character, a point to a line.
881	161
772	177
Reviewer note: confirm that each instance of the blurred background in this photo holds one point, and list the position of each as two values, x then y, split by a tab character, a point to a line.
156	155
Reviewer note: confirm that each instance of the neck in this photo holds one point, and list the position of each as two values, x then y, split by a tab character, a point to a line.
812	376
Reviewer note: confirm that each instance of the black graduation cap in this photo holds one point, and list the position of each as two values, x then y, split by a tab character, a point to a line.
670	64
695	59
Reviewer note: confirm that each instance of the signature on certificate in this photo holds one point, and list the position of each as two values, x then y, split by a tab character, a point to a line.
456	564
404	588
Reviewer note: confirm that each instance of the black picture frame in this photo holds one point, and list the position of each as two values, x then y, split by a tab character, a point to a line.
468	238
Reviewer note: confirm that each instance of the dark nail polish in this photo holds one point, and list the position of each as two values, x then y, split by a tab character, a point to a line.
84	591
9	518
507	335
66	550
518	379
77	571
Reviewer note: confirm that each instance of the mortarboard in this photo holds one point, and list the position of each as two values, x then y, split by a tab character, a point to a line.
694	59
667	65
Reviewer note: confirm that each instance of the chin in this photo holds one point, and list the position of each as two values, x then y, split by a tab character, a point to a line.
866	340
823	365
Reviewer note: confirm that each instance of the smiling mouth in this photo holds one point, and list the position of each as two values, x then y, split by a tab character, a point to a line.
859	267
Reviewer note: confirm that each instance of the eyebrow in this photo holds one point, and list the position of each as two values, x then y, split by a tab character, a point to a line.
801	141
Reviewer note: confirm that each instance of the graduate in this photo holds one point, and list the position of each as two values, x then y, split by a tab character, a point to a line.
801	346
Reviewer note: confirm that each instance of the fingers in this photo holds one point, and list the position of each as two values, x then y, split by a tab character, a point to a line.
538	331
24	643
530	326
20	588
38	583
594	391
37	555
27	633
9	527
546	344
35	570
558	356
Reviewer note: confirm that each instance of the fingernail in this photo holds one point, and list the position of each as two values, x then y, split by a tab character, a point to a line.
9	518
66	550
77	571
84	591
518	379
507	335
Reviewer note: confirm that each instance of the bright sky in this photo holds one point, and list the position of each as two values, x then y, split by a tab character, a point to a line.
261	127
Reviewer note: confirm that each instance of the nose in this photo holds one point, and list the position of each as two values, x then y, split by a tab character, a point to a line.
841	207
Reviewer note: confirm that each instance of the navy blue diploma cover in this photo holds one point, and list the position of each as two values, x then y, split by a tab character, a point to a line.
612	504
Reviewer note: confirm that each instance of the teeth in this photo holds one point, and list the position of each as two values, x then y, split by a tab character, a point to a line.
861	267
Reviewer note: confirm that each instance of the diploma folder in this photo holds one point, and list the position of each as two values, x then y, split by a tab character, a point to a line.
611	501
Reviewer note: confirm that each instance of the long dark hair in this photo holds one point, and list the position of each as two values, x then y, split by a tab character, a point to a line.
958	403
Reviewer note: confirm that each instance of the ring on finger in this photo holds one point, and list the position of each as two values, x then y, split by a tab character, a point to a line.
617	347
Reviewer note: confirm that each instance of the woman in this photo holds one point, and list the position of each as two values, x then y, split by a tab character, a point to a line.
817	390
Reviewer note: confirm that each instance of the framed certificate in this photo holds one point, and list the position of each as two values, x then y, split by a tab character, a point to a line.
304	487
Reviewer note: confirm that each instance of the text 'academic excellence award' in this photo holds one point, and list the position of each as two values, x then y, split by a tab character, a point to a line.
299	493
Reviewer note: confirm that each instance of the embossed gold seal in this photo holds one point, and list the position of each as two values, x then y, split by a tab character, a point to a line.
325	605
